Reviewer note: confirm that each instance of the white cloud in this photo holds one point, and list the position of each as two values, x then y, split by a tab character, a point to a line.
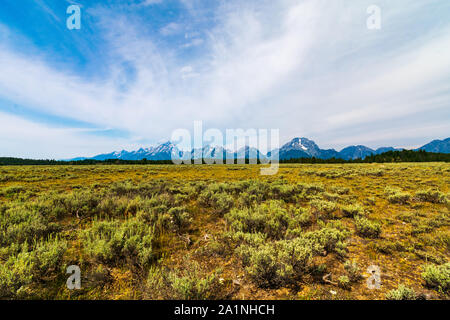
171	29
27	139
188	72
193	43
150	2
47	9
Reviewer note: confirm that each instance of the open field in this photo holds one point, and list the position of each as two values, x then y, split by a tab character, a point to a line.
225	232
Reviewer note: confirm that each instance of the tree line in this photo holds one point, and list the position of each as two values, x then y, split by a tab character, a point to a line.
390	156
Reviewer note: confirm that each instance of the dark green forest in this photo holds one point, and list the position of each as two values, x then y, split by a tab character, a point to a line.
390	156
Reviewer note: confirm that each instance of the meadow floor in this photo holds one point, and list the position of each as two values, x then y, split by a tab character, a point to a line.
225	232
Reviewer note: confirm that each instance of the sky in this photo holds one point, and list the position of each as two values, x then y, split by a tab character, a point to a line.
139	69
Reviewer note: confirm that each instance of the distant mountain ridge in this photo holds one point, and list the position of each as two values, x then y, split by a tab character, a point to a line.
438	146
294	149
305	148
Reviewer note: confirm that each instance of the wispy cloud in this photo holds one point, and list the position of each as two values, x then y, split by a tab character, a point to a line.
47	9
28	139
171	29
150	2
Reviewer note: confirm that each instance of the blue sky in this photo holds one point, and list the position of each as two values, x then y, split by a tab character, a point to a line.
137	70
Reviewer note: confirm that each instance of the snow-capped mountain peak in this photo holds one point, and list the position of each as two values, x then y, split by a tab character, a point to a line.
294	149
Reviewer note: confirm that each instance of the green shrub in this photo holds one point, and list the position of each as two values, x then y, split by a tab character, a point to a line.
282	191
80	203
326	240
420	228
7	177
221	202
153	211
114	207
334	197
114	241
323	208
246	200
215	248
367	228
283	262
437	276
388	247
430	195
20	224
147	189
184	284
370	201
246	242
269	218
374	172
397	196
258	188
48	255
180	199
219	187
205	198
340	190
401	293
252	239
440	220
301	217
193	288
353	210
344	282
408	216
400	198
352	270
310	188
21	269
13	190
16	273
180	218
276	264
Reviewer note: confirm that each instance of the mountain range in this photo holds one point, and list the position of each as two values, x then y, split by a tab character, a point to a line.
294	149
